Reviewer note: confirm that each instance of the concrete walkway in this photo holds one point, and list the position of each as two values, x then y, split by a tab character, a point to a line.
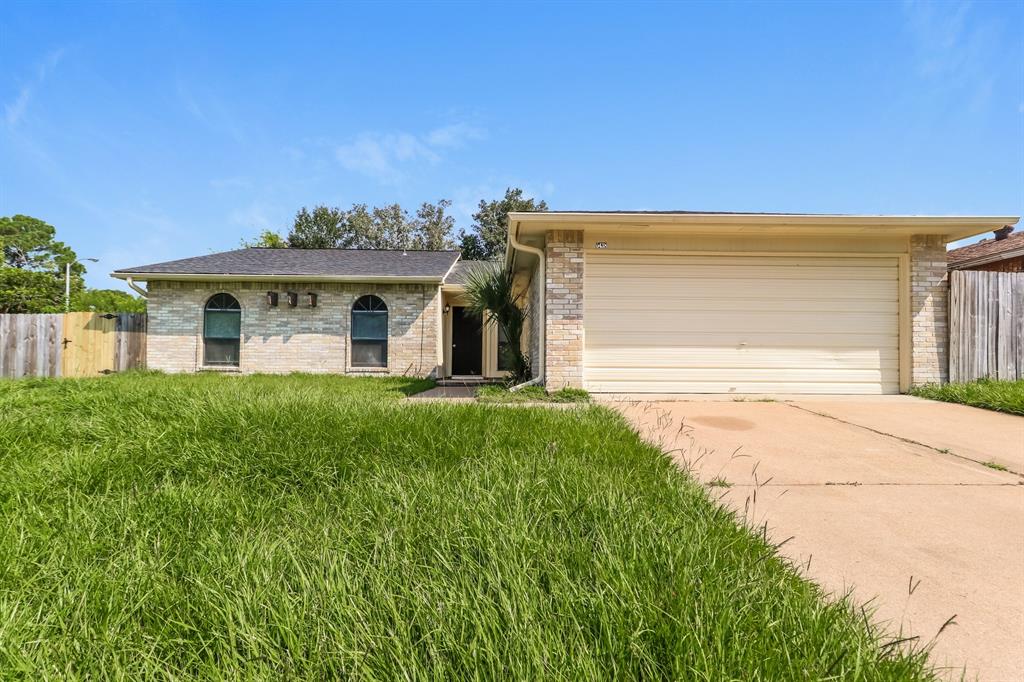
882	495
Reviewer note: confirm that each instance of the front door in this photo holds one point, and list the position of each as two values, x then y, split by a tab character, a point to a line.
467	343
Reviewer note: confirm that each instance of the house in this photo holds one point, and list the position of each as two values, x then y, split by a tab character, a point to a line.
1003	253
621	302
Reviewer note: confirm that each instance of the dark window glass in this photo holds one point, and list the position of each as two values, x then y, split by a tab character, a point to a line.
369	332
222	326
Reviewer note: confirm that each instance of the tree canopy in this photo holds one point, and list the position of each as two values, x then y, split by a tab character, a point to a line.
108	301
362	227
392	227
33	270
490	224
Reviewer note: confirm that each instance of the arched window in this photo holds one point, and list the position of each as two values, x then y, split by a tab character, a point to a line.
222	327
369	332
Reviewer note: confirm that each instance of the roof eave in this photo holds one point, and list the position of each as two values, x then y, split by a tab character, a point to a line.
238	277
952	228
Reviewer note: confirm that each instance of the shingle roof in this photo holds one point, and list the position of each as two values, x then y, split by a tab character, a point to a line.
309	263
985	249
463	268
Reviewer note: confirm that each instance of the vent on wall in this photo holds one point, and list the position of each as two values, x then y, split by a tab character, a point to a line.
272	299
312	299
293	298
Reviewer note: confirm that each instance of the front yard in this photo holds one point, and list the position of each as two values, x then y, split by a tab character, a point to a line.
319	527
990	394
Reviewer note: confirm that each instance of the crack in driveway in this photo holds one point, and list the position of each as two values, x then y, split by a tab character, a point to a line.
944	451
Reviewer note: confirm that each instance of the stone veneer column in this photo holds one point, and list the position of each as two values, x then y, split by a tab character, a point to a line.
929	304
564	329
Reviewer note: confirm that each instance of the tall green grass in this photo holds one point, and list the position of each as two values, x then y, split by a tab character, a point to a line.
990	394
318	527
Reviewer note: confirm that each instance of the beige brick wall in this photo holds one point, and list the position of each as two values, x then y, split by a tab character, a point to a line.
300	339
564	287
929	306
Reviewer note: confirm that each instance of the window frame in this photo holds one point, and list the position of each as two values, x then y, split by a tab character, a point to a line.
233	305
375	306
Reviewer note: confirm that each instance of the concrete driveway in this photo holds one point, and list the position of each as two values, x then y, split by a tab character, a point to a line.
884	495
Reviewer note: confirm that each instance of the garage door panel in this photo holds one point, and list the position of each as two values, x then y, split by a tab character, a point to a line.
609	259
626	339
663	324
667	387
844	358
750	324
737	375
616	304
754	272
817	290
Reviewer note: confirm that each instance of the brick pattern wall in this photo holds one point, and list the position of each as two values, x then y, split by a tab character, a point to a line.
564	340
929	309
300	339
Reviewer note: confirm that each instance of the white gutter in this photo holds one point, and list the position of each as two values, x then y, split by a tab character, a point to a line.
542	327
142	292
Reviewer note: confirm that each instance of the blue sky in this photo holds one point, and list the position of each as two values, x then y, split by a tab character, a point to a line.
156	131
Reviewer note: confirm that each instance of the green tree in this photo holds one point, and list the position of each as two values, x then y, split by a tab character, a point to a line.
380	227
322	228
29	291
490	224
31	244
108	301
33	267
471	246
433	227
267	239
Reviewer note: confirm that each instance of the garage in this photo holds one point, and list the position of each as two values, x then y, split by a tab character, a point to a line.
741	323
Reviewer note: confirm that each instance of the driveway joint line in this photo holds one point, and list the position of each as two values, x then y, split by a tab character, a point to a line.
941	451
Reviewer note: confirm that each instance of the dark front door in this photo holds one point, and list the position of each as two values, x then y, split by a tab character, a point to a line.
467	342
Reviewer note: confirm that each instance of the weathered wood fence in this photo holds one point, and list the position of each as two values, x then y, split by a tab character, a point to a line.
986	325
71	344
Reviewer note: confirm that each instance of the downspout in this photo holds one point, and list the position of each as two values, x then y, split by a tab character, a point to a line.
135	287
542	327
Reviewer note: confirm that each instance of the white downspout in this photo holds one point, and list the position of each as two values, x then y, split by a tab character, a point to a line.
142	292
542	327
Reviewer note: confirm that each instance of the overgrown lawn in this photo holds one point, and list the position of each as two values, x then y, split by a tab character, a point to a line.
320	527
990	394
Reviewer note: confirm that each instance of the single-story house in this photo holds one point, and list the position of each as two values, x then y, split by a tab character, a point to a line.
621	302
1003	253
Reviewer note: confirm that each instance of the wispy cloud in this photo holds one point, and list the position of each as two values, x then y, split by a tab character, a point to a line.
954	49
210	110
383	156
15	110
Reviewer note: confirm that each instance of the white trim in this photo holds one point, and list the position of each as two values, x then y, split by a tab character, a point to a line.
450	268
182	277
951	228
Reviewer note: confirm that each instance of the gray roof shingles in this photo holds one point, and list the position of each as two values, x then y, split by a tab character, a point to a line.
462	269
310	263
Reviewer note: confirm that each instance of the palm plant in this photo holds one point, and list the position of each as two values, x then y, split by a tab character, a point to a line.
491	292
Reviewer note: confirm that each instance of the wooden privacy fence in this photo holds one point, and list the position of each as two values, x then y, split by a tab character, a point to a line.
71	344
986	325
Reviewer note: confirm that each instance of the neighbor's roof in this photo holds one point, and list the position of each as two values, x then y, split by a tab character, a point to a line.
303	264
987	251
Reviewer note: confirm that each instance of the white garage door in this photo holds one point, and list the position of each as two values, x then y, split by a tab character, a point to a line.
740	324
